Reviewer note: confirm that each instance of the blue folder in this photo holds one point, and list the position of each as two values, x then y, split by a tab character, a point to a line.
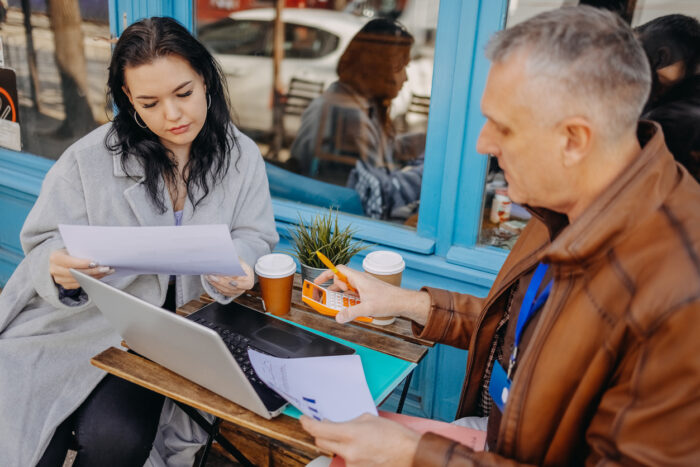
383	372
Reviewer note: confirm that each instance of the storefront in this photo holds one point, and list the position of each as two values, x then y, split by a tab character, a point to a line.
450	240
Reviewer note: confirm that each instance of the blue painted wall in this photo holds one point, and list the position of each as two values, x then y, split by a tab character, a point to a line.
441	252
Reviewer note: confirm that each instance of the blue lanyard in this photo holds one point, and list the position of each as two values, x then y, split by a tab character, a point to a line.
531	305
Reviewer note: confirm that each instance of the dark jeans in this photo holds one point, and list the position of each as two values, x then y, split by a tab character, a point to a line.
115	426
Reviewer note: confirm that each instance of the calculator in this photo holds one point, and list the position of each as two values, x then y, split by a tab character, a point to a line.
328	302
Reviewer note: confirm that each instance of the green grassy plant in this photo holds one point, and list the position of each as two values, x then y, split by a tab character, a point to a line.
324	234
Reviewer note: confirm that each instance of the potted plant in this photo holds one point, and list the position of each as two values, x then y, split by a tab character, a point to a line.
323	234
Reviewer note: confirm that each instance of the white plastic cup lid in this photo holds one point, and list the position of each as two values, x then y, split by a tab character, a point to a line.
383	263
275	266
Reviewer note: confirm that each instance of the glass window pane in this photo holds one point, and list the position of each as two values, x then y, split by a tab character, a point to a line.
357	136
60	59
501	220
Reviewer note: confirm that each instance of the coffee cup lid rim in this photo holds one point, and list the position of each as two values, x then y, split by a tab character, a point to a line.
275	265
391	262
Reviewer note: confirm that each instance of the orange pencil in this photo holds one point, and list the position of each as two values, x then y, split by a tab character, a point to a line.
332	267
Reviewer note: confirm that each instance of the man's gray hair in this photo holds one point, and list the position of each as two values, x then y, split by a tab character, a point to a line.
588	57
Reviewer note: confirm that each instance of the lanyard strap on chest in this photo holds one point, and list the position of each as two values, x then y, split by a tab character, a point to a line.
532	303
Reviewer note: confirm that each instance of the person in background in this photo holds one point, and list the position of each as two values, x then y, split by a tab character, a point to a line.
585	351
171	156
672	45
349	124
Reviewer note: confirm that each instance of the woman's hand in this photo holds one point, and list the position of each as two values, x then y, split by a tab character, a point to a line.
60	262
377	298
233	286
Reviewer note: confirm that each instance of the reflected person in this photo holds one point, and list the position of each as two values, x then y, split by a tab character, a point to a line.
351	120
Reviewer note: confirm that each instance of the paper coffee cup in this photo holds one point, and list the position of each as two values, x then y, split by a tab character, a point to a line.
388	267
276	274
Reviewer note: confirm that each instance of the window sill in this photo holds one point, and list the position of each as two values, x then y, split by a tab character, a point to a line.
369	230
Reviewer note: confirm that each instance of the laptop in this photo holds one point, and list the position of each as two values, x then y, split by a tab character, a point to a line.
210	346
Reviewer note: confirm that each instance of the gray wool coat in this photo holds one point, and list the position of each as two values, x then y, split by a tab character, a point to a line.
45	342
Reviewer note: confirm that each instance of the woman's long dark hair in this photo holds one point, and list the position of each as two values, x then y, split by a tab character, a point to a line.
140	44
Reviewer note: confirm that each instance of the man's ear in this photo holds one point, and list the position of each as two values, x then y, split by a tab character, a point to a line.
577	134
125	90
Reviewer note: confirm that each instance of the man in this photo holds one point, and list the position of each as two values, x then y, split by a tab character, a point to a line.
607	367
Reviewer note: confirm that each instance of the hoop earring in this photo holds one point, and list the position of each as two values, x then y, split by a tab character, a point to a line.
208	101
136	119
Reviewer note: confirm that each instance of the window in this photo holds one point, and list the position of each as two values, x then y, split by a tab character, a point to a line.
60	91
360	145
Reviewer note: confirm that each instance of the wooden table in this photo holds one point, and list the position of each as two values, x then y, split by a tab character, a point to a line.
281	441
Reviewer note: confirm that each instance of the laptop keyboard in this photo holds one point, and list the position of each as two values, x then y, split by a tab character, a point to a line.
238	345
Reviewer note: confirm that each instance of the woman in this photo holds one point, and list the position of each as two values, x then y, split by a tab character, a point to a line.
171	156
350	121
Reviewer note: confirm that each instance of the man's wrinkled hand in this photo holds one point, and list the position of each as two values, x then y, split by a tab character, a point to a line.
365	441
377	298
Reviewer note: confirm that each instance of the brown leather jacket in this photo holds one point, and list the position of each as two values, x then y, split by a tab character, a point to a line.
612	371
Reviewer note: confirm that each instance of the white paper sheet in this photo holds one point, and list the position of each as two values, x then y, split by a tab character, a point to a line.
331	388
186	249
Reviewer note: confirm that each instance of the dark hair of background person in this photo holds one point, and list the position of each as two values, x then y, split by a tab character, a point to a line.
669	40
379	40
140	44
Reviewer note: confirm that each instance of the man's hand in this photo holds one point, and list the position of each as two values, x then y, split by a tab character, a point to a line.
365	441
60	262
377	298
233	286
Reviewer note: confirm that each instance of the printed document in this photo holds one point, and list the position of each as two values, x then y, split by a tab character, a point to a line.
325	388
185	249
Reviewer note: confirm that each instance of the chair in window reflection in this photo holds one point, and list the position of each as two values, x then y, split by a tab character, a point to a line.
419	104
300	93
416	116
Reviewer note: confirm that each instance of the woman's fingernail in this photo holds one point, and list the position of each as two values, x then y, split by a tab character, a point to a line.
233	283
111	271
104	269
213	278
92	264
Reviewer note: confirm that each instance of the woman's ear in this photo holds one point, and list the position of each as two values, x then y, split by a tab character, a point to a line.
125	90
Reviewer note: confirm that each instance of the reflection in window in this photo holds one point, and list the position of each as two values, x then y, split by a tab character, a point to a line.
355	107
501	220
307	42
61	64
238	37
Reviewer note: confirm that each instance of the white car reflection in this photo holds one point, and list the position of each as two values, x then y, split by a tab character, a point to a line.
314	40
